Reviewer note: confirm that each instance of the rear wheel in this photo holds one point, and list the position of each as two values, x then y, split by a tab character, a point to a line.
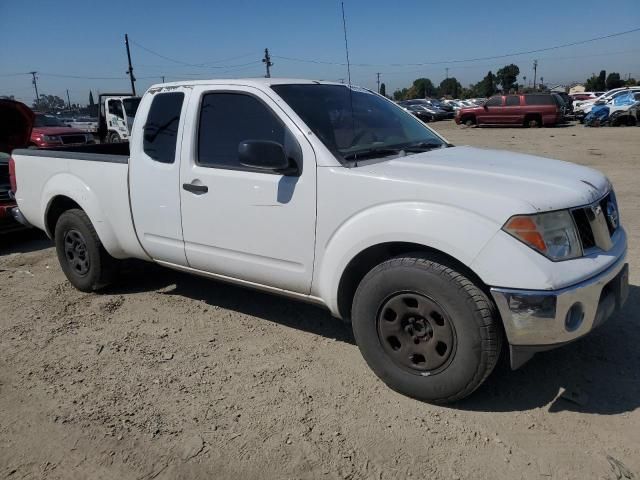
533	121
425	328
83	259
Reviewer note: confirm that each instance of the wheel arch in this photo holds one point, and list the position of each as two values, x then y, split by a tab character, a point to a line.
371	256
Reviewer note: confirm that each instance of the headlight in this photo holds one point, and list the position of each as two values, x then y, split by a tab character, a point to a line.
52	138
553	234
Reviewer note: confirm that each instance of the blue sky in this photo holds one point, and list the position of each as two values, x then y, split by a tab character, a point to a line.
86	39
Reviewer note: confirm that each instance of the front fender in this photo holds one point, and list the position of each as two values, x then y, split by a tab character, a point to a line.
72	187
458	233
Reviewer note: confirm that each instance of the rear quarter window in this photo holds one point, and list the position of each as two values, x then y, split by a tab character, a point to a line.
539	100
161	129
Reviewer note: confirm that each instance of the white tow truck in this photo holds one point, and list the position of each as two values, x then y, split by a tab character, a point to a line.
116	112
437	254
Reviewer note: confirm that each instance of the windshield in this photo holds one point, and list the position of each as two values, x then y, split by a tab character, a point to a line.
131	106
47	121
363	126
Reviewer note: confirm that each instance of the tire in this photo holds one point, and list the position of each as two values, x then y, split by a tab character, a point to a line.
533	121
114	138
422	368
83	259
469	121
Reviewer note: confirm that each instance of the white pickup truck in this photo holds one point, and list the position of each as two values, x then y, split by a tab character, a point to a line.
332	194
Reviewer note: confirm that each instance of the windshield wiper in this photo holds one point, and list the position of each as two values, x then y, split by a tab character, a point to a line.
371	153
423	146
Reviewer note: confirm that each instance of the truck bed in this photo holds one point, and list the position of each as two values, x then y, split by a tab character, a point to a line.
107	149
94	176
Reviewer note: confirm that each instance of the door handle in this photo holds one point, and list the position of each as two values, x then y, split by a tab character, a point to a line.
197	189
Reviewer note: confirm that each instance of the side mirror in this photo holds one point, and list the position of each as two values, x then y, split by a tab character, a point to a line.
265	155
485	106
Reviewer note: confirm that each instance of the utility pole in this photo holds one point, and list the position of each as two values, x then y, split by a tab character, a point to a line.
535	72
68	101
378	81
35	85
162	78
130	71
447	71
267	62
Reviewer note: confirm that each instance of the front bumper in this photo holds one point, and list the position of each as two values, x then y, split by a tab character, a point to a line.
536	320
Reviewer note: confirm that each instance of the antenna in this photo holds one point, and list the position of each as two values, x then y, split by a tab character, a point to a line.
346	44
346	47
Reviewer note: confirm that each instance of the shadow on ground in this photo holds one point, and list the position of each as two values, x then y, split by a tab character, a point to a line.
24	241
601	370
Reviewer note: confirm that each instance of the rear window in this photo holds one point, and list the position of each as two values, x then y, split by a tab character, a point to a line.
161	129
539	100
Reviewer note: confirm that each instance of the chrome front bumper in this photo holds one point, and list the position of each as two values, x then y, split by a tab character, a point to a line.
541	319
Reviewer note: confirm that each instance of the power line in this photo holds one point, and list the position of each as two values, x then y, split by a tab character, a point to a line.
196	65
442	62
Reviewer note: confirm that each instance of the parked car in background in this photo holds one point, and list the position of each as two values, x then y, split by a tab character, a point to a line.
530	110
86	124
15	126
436	254
567	100
420	112
49	131
427	105
584	96
583	108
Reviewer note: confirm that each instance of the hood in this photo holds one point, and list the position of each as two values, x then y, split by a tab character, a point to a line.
16	121
56	130
494	183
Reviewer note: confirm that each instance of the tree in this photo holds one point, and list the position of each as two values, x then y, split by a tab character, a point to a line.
450	86
596	84
400	94
91	102
507	76
487	86
421	88
631	82
383	90
48	103
614	81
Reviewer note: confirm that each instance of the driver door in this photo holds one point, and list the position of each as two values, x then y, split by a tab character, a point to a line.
239	222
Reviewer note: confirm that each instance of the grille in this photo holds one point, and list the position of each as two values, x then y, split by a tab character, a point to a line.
67	139
584	228
584	219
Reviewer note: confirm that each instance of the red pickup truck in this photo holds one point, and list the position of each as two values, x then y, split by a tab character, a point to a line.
15	124
48	131
529	110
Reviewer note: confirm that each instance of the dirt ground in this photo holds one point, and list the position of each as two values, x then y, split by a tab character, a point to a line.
171	376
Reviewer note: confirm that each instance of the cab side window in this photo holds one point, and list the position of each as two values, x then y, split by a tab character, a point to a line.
228	119
494	102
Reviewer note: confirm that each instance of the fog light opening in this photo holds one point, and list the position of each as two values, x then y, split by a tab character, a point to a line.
574	317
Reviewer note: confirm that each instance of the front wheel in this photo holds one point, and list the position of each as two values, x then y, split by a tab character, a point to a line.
425	328
114	138
83	259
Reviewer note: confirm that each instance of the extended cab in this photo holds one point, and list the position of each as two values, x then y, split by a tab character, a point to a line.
529	110
333	194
